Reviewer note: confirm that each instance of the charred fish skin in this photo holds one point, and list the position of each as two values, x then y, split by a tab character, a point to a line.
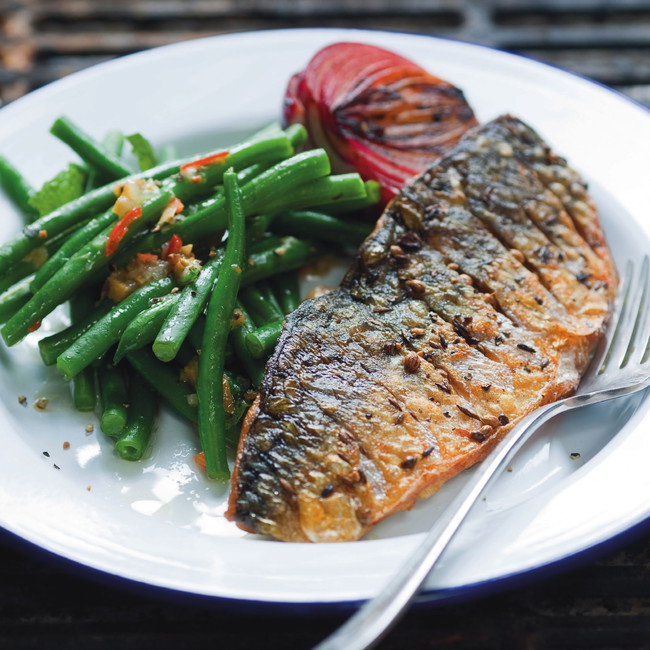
454	320
564	182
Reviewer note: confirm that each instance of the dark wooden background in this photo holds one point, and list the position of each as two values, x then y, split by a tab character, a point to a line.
604	605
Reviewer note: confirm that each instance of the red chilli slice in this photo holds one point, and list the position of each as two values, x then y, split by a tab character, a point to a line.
120	229
173	246
376	112
204	162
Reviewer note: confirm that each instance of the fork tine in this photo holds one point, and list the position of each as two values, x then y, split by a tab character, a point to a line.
639	341
630	341
616	344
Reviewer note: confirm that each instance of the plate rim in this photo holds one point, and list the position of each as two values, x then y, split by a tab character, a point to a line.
78	77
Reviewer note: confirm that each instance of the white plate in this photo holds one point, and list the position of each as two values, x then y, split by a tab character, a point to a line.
158	522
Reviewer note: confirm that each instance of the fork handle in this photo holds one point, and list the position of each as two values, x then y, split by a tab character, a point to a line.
369	624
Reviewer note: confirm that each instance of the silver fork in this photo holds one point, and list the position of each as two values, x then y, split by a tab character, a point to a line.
620	367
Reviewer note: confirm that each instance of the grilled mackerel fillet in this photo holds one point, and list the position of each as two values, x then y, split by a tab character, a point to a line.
479	297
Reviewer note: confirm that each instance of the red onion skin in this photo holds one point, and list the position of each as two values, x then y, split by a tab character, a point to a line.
376	112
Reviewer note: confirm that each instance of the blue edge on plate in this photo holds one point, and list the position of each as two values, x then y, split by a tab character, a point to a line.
425	599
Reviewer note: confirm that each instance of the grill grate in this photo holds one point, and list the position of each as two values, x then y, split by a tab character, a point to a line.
43	40
605	606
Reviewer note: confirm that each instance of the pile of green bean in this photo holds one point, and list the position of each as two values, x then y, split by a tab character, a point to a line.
254	215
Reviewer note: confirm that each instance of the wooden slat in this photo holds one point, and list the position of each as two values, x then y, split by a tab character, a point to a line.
41	40
604	606
17	51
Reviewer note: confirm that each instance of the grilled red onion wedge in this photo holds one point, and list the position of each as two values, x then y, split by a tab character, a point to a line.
376	112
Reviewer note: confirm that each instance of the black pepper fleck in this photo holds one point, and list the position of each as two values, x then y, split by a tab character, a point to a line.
409	462
526	348
327	491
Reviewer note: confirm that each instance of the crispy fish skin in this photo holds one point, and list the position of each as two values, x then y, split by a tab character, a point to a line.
479	296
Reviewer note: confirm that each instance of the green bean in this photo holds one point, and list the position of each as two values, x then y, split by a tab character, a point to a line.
144	327
287	290
84	394
283	178
52	346
293	184
93	343
205	176
134	440
183	315
244	176
69	216
372	197
194	339
73	274
113	142
297	133
264	287
30	264
254	368
308	223
257	227
80	210
163	378
262	340
248	174
270	129
289	254
70	246
89	259
260	304
267	241
17	188
14	299
22	269
114	399
88	149
328	190
212	417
